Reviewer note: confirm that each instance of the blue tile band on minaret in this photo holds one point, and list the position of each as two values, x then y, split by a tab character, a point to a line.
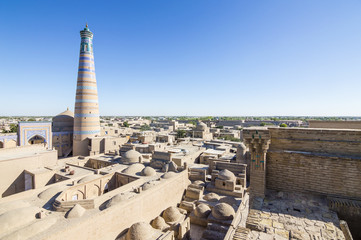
86	117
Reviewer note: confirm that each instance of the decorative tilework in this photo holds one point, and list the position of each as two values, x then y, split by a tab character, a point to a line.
86	132
87	87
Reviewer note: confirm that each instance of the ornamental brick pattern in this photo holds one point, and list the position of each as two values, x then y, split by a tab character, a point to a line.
86	117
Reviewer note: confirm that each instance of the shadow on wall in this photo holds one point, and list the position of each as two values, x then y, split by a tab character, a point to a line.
15	187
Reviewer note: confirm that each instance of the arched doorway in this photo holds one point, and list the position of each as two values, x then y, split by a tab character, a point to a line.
1	144
37	140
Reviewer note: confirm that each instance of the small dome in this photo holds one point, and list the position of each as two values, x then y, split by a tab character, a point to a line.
64	116
201	126
29	231
226	175
134	168
7	206
51	192
131	156
229	200
88	178
223	211
171	214
120	197
168	175
76	211
148	171
148	185
202	210
199	183
16	218
140	231
211	197
116	199
159	223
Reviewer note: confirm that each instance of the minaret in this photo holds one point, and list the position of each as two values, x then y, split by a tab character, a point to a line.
86	114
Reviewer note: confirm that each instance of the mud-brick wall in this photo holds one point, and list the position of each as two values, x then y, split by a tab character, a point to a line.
313	160
332	141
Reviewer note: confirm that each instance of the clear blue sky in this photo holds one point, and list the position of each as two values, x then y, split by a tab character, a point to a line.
185	57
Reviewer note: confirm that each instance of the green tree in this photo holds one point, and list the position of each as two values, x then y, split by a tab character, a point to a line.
283	125
125	124
263	124
181	133
145	127
13	128
31	120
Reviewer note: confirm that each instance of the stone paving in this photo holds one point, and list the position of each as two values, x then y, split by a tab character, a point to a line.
292	216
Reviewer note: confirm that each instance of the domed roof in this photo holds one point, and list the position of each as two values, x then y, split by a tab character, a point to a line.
229	200
120	197
29	231
223	211
168	175
16	218
140	231
199	183
7	206
134	169
88	178
212	197
148	185
202	210
51	192
159	223
148	171
64	116
131	156
201	126
226	175
76	211
171	214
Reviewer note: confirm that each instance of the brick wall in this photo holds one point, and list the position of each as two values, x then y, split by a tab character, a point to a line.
321	161
335	124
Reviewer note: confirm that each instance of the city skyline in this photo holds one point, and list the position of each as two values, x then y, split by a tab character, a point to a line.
203	58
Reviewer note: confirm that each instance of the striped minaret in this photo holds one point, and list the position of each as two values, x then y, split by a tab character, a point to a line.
86	114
